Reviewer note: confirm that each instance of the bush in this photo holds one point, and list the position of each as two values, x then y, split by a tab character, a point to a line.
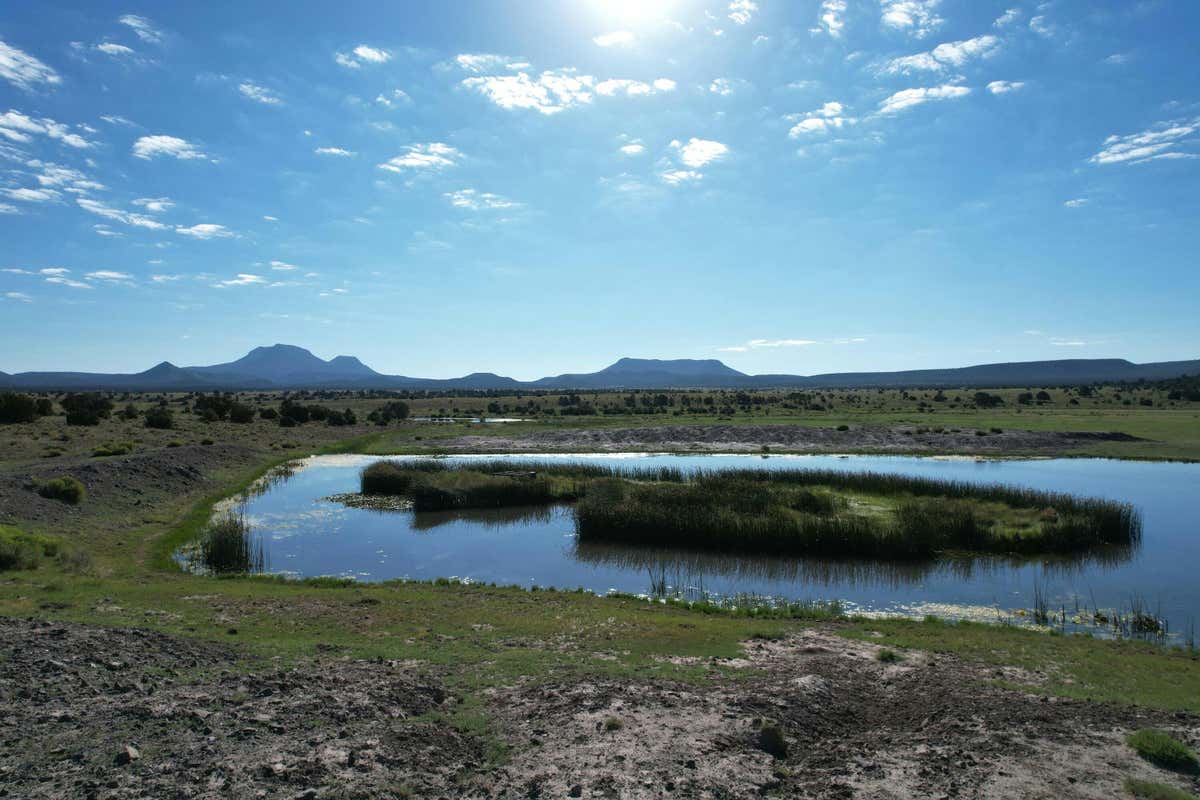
395	477
112	449
268	413
128	413
886	656
161	418
338	419
213	407
17	408
67	489
1161	748
86	408
843	427
1149	790
44	407
296	413
394	409
241	413
19	550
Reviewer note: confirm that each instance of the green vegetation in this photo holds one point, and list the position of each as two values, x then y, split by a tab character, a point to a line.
67	489
113	449
227	545
886	656
1161	748
1149	790
792	512
17	408
19	550
88	408
160	418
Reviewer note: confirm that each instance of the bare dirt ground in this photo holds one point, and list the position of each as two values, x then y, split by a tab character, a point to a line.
125	713
787	438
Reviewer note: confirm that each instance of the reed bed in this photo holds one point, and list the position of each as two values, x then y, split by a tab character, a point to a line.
228	546
772	512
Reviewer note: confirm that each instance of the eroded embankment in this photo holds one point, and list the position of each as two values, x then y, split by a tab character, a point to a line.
123	713
788	438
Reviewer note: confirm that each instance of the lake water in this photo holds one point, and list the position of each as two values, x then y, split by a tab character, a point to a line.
308	535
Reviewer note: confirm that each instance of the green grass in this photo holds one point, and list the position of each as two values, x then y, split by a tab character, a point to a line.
1163	749
67	489
24	551
1149	790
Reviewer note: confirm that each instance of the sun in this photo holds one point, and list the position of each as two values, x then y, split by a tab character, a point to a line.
631	12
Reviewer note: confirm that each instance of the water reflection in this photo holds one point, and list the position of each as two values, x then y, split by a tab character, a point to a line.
487	517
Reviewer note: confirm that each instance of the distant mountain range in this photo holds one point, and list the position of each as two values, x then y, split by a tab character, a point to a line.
284	366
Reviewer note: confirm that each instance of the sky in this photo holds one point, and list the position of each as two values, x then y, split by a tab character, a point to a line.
532	188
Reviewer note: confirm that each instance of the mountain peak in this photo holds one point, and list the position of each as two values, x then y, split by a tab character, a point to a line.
673	366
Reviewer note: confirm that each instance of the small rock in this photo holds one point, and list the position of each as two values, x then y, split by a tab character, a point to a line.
576	791
127	755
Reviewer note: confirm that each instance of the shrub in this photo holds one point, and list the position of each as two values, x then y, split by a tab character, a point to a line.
295	412
86	408
1163	749
1149	790
886	656
396	409
338	419
268	413
128	413
213	407
613	724
17	408
67	489
843	427
160	417
241	413
44	407
20	550
112	449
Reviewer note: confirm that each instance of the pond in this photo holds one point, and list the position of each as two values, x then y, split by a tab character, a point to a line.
307	534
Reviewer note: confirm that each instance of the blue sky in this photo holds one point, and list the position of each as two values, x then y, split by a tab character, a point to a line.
532	188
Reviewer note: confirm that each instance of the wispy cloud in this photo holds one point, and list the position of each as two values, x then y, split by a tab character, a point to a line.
473	200
23	70
917	17
333	151
20	297
283	266
428	156
26	195
1165	140
115	50
741	11
1078	202
242	279
119	215
363	54
945	56
19	127
615	38
829	116
830	18
148	147
1004	87
259	94
1007	18
548	93
109	276
205	230
759	344
155	205
699	152
143	28
909	98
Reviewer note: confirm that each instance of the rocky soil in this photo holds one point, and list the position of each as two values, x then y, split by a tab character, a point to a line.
126	713
786	438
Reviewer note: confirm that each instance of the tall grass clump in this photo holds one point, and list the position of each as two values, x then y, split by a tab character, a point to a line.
1161	748
66	489
464	489
227	545
20	550
396	477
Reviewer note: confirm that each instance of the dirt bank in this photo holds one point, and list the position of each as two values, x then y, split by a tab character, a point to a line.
788	438
202	724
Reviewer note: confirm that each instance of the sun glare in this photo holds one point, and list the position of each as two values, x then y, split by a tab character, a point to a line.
632	11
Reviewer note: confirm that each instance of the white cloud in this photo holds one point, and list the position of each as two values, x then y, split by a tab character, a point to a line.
675	177
155	205
165	278
390	101
269	218
722	86
33	195
142	27
148	147
473	200
101	229
548	93
830	20
740	11
1162	141
615	38
58	271
23	70
1007	18
205	230
1042	27
69	282
631	88
114	119
479	63
110	276
945	55
907	98
7	208
917	17
1117	59
699	152
20	297
363	54
259	94
283	266
1078	202
242	279
829	116
429	156
1004	87
758	344
633	149
116	214
333	151
115	50
781	342
19	128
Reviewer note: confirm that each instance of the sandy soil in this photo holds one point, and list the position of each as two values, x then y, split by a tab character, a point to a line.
785	438
122	713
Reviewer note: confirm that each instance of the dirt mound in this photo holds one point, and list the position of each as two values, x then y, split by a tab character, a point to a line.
121	484
124	713
787	438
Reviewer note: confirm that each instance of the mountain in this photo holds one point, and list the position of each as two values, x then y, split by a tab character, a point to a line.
284	366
